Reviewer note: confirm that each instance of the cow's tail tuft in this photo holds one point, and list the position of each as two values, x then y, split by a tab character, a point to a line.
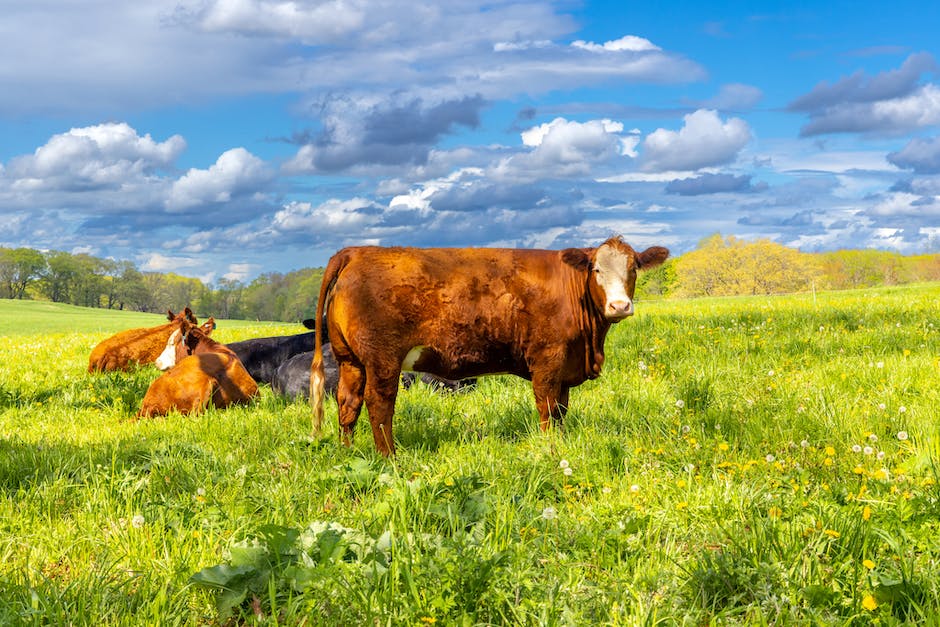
317	378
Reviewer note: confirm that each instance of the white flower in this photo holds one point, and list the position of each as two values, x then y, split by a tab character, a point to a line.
686	429
642	366
902	435
881	455
567	472
880	364
770	458
868	450
606	489
549	513
804	443
902	409
563	464
770	373
856	448
872	437
881	406
634	488
680	403
137	521
200	491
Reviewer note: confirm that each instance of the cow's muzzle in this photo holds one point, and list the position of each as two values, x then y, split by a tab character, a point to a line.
619	309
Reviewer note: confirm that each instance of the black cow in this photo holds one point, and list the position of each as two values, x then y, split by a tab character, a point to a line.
292	377
261	356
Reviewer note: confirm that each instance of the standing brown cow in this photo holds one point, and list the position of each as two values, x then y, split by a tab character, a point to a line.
540	314
136	346
211	373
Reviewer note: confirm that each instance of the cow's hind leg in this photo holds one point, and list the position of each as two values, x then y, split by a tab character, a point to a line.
349	397
381	392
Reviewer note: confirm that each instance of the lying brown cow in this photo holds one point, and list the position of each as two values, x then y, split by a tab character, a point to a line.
540	314
135	346
211	373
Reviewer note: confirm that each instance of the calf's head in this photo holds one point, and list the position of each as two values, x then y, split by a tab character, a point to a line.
182	342
612	269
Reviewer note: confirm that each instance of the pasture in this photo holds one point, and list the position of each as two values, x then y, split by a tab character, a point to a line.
740	460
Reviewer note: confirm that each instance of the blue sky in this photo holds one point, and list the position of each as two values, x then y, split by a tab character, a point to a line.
228	138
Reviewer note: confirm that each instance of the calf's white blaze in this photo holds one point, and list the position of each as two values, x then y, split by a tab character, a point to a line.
611	271
167	358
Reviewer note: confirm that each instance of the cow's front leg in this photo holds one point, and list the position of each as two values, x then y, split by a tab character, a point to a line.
381	392
349	396
551	399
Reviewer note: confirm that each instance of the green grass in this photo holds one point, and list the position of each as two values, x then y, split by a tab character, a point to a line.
738	462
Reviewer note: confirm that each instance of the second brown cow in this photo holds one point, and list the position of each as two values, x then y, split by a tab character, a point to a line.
211	373
540	314
129	348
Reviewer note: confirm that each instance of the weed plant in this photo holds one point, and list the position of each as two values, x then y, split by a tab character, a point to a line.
740	461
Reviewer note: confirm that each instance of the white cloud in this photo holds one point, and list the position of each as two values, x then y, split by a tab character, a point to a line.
629	43
237	172
310	22
703	141
105	155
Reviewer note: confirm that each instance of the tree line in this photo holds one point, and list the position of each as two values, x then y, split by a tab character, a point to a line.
719	266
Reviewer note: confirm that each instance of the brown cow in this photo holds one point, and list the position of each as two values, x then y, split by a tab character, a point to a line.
540	314
211	372
135	346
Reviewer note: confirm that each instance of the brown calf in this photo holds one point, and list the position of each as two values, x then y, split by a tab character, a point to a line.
211	373
135	346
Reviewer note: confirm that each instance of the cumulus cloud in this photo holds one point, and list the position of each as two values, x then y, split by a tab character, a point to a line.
310	22
703	141
94	157
920	154
891	102
630	43
236	173
713	184
564	148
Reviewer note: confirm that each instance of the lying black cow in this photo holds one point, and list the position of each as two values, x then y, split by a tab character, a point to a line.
261	356
292	377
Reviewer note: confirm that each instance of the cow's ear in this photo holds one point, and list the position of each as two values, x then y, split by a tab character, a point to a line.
576	257
310	323
170	315
651	257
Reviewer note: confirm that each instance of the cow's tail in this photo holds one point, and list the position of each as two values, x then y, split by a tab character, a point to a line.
317	378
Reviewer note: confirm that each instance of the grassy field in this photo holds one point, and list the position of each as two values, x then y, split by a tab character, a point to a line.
741	460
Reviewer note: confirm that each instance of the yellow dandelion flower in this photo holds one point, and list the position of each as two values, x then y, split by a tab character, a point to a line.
723	446
774	512
858	470
681	505
681	483
830	451
428	620
870	565
866	513
832	533
869	603
827	461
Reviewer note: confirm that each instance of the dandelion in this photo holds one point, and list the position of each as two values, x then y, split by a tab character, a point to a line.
866	513
681	483
868	450
606	489
832	533
872	437
428	620
137	521
902	435
870	565
723	446
902	409
830	451
549	513
880	455
642	366
770	373
882	406
775	512
567	472
634	488
869	603
563	464
681	505
880	364
804	443
770	458
680	403
686	429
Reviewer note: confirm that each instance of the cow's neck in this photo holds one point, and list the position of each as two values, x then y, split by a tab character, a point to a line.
594	328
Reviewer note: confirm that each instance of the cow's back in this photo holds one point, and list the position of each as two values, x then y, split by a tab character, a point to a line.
476	310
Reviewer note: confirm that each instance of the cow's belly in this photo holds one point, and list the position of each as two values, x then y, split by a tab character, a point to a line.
464	363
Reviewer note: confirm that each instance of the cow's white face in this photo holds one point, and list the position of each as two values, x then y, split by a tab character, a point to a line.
615	275
167	358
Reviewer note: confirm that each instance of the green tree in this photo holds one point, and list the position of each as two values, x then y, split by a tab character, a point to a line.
19	268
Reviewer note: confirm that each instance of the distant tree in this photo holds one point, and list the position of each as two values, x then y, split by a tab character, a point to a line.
130	291
19	268
58	279
723	266
658	282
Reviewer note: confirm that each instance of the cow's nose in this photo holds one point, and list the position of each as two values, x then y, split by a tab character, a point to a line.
619	309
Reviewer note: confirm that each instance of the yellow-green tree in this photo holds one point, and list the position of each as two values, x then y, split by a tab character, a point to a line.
725	266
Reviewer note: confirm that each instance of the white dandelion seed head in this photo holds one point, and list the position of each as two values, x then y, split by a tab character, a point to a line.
872	437
549	513
567	472
804	443
137	521
770	458
856	448
563	464
680	403
902	409
634	488
902	435
882	406
868	450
